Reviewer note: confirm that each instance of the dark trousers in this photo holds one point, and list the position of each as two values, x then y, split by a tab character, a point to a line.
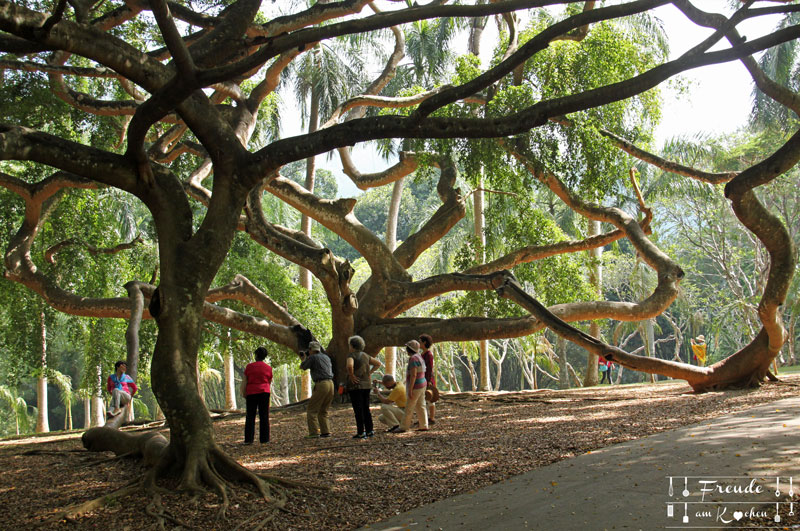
257	402
360	400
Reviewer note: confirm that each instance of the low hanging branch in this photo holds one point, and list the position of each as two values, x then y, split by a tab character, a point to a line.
746	368
512	290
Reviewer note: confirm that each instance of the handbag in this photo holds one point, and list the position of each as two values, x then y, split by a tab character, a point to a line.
431	393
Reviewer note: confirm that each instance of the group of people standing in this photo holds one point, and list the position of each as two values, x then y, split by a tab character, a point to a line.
397	408
403	399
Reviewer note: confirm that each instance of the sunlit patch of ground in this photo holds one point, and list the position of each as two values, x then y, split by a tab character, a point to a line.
479	439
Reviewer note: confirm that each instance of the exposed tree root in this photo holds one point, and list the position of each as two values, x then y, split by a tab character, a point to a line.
214	469
155	509
203	469
265	517
293	405
106	460
50	452
150	446
76	511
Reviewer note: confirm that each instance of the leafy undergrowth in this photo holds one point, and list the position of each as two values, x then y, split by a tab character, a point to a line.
478	439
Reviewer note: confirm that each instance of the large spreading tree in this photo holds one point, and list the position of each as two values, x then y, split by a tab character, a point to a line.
174	103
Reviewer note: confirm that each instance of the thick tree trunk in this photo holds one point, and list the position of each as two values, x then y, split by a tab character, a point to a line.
174	381
132	337
188	265
192	450
132	332
42	423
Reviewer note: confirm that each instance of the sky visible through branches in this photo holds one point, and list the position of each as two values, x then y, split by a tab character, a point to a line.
718	100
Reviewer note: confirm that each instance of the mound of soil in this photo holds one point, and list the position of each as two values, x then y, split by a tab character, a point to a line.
478	439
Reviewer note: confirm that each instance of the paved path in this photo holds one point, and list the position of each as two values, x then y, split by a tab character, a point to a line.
627	486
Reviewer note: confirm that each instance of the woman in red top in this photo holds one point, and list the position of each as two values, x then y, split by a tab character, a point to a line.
256	389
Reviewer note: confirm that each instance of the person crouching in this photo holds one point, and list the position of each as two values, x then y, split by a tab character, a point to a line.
393	405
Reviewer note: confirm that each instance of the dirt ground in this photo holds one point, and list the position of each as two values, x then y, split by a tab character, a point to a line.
478	439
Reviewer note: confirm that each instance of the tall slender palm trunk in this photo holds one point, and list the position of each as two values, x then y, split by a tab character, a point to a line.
42	423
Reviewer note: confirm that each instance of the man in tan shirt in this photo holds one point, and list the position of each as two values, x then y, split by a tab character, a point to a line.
392	406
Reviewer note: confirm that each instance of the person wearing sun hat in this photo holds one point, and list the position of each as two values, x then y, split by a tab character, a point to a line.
699	349
321	397
415	389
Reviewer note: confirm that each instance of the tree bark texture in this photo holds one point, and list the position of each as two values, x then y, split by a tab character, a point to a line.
188	101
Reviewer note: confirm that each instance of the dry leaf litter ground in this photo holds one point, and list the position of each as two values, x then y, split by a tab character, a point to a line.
479	439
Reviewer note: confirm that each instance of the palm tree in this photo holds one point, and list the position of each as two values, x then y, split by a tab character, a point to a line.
64	384
779	64
230	384
17	405
391	243
324	77
42	424
85	394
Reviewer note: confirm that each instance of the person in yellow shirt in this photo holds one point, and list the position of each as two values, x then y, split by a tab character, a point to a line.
393	405
699	349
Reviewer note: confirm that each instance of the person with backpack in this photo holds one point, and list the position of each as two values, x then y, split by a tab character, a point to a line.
360	367
604	366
